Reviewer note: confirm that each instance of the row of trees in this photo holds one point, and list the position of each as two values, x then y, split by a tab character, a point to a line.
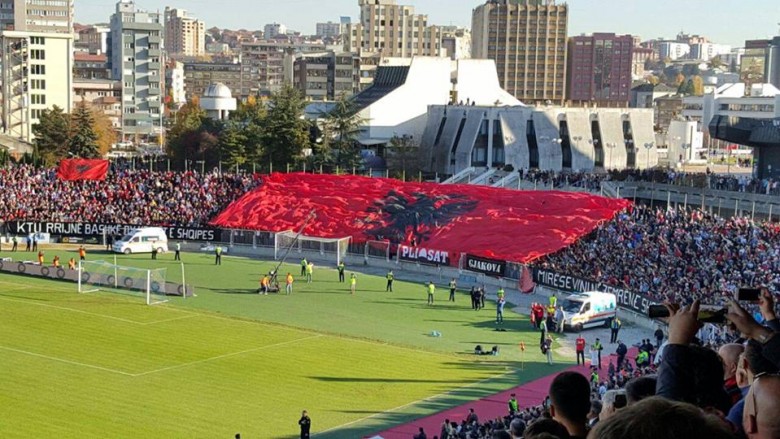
86	133
275	133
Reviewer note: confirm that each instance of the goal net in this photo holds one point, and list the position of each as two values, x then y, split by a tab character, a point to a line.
302	244
105	276
378	250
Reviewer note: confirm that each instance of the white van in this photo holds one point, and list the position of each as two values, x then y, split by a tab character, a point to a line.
142	240
589	310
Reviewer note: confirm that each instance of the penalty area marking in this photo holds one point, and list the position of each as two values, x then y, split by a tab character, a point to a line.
62	360
400	407
219	357
105	316
164	369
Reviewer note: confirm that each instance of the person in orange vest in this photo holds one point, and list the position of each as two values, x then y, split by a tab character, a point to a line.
580	347
40	257
72	264
56	262
264	285
290	281
82	253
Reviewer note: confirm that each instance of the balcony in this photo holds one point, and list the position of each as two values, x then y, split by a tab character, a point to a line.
154	66
154	91
155	39
154	52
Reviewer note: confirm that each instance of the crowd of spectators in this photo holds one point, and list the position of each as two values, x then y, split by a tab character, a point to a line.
676	255
127	196
592	181
729	390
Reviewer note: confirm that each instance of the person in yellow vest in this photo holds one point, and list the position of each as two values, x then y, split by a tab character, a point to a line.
72	264
453	288
309	271
431	291
501	293
304	264
264	283
352	283
553	301
40	257
56	261
390	277
290	281
218	255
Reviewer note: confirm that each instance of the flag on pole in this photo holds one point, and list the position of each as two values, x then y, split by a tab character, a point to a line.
82	169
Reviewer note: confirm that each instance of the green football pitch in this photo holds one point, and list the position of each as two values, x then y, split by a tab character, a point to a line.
230	361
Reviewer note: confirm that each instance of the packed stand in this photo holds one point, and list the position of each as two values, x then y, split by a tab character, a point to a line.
126	196
676	255
592	181
728	391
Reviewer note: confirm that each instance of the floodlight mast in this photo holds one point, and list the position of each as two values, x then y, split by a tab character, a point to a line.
311	216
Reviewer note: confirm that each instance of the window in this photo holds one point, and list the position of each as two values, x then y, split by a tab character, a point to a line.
37	69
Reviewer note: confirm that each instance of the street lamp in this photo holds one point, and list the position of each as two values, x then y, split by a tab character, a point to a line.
648	147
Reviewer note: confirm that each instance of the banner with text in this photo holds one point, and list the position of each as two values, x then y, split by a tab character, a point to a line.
626	299
423	255
86	230
491	267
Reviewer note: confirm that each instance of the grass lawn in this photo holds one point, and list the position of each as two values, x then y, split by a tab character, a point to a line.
229	361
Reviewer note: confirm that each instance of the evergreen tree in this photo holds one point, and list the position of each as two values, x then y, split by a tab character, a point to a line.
285	133
403	157
83	142
51	135
341	130
232	145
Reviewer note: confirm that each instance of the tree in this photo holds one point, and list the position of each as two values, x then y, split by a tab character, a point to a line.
83	138
686	88
250	115
679	79
286	133
403	157
185	130
232	145
341	128
51	135
104	128
698	86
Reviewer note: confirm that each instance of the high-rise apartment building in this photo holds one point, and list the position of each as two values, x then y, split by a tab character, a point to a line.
136	61
184	35
392	30
328	30
273	30
36	61
527	40
37	15
326	76
599	69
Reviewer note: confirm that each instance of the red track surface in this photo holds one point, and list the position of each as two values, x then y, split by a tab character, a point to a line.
529	394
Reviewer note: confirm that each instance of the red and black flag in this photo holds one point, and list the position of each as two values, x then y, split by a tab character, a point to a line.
82	169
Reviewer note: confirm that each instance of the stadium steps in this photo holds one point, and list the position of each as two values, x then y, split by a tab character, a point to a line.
509	181
463	176
484	178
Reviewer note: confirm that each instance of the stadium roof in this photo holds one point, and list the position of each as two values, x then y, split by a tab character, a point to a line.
387	79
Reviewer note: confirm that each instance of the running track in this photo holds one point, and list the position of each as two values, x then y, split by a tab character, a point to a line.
529	394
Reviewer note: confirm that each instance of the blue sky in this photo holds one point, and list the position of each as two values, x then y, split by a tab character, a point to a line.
724	21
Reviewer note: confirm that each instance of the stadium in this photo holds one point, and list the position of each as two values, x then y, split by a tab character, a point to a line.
180	344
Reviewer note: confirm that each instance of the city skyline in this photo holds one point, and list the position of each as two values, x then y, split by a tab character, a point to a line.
616	16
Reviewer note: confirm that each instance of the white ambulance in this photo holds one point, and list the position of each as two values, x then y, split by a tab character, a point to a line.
142	240
589	310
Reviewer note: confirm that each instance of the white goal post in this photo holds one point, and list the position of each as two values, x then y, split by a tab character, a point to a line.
301	244
105	276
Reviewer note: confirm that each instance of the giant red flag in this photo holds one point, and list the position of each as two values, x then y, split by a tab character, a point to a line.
82	169
422	220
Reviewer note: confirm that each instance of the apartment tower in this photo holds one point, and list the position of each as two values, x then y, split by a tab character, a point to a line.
136	61
527	40
36	60
184	35
392	30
